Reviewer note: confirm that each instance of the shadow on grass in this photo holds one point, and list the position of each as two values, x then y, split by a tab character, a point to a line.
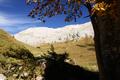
58	69
91	49
92	45
52	66
81	45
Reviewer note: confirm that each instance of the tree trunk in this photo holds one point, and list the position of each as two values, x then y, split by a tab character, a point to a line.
107	41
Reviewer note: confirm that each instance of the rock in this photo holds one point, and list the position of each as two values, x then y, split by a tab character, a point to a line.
39	77
26	74
15	75
20	67
70	61
2	77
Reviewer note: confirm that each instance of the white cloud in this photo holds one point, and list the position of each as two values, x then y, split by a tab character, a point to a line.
15	23
4	21
7	21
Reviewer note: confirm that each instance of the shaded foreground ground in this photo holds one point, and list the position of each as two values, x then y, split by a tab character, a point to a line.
52	67
58	69
65	71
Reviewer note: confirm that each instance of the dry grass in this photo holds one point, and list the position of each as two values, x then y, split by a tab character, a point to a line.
82	52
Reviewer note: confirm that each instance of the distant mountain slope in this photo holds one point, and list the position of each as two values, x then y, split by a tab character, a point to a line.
37	36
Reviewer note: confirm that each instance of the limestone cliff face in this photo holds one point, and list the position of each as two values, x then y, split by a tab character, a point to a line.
40	35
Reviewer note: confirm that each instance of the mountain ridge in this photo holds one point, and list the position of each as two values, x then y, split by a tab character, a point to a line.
40	35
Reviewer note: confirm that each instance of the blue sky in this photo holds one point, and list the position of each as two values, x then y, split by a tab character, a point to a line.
13	17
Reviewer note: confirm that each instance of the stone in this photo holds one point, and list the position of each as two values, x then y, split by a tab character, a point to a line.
2	77
39	77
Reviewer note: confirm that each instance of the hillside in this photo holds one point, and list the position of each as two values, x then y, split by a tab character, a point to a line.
5	38
41	35
12	55
7	43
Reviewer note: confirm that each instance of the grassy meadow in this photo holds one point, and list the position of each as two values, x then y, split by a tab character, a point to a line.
82	52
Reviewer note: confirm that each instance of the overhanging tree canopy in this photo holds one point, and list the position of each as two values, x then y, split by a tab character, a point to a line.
71	8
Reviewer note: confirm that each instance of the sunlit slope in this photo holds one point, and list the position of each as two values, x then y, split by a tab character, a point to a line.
10	49
5	38
82	52
7	41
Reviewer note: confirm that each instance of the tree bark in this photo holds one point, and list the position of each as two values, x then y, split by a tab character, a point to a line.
107	41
